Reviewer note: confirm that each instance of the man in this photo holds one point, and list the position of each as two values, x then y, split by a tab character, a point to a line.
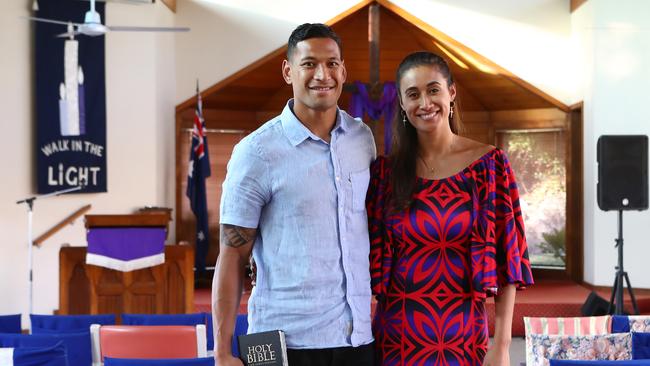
294	196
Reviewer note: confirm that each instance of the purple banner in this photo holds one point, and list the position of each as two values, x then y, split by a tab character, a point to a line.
361	103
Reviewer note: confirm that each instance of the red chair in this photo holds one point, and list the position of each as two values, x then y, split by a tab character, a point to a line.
147	341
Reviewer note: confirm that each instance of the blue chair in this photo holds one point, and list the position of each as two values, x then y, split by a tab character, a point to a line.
163	319
620	324
77	345
10	323
171	319
640	346
241	327
54	355
209	331
68	323
599	363
203	361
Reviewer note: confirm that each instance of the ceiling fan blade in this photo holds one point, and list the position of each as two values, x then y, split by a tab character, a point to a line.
148	29
68	34
131	2
50	21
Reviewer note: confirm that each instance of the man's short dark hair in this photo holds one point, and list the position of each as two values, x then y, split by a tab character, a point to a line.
311	30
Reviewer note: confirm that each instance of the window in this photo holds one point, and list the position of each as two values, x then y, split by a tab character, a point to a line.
538	157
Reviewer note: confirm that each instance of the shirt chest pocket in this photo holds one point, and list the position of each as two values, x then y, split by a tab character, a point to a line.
359	187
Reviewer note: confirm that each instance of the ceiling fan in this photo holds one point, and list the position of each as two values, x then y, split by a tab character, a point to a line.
92	25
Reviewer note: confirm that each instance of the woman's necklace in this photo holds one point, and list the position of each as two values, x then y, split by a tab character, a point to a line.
431	170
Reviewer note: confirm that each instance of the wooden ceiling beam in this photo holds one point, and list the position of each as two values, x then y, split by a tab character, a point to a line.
349	12
190	102
171	4
575	4
430	47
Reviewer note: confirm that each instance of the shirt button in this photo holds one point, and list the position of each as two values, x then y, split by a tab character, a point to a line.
338	178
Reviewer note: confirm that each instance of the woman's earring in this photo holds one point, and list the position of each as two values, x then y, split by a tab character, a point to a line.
451	109
404	118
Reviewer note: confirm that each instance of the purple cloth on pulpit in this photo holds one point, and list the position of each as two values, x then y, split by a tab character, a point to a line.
126	249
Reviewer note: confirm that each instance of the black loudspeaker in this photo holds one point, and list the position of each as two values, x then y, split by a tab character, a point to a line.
594	305
622	172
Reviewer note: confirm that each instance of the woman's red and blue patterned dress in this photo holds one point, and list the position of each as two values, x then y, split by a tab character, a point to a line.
433	264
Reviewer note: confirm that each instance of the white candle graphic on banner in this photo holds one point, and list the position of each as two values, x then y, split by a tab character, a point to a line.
82	102
70	124
63	111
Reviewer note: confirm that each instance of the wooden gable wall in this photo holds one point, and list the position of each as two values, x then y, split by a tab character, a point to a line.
491	98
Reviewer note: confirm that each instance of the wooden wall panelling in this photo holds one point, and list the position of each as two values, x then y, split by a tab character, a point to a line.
476	116
466	100
477	131
264	116
276	101
230	119
476	126
529	118
220	148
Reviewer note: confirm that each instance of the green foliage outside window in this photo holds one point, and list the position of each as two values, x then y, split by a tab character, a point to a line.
538	161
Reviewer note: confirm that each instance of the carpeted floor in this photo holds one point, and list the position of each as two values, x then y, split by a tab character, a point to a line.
545	298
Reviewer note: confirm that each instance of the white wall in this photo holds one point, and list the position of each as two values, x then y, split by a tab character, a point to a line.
616	49
140	92
228	35
530	39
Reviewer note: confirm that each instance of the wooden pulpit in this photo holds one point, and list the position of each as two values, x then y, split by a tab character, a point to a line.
163	289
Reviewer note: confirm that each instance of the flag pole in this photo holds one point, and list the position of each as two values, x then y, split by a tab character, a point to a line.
196	187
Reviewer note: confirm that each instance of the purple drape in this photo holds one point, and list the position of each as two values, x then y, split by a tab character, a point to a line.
361	104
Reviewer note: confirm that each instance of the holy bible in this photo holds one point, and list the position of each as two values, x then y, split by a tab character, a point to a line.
263	349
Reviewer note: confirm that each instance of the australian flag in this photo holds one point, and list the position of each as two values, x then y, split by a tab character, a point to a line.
199	171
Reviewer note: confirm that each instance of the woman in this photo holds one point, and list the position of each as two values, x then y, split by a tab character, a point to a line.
446	232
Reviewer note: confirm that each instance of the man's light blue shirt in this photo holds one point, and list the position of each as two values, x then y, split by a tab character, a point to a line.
307	198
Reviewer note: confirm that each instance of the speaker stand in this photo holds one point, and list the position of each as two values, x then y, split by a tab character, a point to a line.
617	289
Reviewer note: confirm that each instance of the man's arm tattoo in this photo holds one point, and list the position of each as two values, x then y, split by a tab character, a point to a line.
236	236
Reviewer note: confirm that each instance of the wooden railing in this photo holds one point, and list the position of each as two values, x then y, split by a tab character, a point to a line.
68	220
